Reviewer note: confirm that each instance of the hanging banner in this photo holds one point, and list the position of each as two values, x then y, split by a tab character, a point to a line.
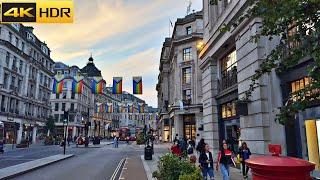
141	108
77	84
58	82
130	108
137	85
110	108
117	85
97	85
99	108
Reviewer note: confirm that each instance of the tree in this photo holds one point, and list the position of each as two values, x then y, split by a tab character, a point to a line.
50	126
297	24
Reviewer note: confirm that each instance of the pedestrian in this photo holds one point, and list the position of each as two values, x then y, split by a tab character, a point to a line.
69	139
224	160
175	149
244	153
200	146
206	163
190	148
117	141
160	139
168	138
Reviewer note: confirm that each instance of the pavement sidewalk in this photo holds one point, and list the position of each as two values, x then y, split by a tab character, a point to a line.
152	165
13	171
133	170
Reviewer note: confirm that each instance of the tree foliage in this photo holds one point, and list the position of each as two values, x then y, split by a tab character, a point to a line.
50	124
297	25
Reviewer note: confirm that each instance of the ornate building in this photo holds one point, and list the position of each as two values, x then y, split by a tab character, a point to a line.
26	69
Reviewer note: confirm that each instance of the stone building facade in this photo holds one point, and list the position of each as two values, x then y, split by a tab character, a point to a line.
78	105
227	61
26	69
179	81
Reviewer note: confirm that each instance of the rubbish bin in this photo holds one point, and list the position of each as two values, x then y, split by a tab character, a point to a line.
96	140
277	167
148	152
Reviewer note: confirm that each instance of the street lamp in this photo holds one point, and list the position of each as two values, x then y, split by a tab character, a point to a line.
65	127
200	45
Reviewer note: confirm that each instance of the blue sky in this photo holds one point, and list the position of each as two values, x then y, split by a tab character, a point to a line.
125	38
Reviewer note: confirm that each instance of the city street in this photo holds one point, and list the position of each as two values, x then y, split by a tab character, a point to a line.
88	163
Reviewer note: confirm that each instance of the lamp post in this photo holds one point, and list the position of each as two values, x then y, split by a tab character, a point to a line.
65	127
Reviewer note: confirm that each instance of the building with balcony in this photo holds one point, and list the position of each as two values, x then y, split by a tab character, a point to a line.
179	81
227	61
26	71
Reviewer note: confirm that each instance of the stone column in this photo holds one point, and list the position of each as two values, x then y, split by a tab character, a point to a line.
210	109
74	131
19	133
34	135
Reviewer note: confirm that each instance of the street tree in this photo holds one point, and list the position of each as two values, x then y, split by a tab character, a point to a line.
50	126
297	25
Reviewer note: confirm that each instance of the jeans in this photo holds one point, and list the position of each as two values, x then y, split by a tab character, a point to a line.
225	171
207	171
245	168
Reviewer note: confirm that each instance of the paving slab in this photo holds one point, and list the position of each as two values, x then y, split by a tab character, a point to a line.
13	171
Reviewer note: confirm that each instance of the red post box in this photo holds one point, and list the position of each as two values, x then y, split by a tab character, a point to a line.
277	167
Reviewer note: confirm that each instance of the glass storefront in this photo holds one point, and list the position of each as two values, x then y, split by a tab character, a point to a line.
189	126
312	137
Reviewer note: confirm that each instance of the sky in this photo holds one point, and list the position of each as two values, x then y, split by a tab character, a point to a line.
124	36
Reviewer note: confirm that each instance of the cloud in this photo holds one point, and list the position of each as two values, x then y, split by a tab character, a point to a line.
124	36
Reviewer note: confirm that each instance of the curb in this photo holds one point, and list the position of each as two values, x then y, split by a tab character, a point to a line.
3	177
146	168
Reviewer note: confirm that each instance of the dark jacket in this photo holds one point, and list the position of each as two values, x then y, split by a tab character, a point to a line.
203	159
244	153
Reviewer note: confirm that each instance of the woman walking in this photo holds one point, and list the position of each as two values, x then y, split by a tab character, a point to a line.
206	162
244	153
201	145
224	160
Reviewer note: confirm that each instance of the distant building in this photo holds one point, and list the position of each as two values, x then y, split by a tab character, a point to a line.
179	81
26	69
78	105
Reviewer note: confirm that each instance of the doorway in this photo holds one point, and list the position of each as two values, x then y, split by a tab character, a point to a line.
189	127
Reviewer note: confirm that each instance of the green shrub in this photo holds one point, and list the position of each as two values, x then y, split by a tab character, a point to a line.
196	175
140	139
170	167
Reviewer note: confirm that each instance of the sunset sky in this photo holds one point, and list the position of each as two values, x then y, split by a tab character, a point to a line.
124	36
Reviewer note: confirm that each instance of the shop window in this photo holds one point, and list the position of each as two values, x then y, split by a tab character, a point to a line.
228	110
300	84
313	144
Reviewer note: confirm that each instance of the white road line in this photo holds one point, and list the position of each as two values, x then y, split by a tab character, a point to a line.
114	175
124	168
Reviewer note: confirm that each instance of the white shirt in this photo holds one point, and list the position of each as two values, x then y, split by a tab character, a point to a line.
208	158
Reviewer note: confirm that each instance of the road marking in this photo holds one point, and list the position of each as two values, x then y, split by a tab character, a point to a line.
124	168
114	175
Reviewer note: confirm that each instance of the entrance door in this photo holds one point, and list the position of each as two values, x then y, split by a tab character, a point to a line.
189	126
232	136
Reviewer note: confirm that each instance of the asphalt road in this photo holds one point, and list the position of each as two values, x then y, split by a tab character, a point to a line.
17	156
95	164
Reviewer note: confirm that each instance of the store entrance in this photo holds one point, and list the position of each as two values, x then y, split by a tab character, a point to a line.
189	127
232	135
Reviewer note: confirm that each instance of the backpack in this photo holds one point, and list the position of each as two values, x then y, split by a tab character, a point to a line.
190	150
